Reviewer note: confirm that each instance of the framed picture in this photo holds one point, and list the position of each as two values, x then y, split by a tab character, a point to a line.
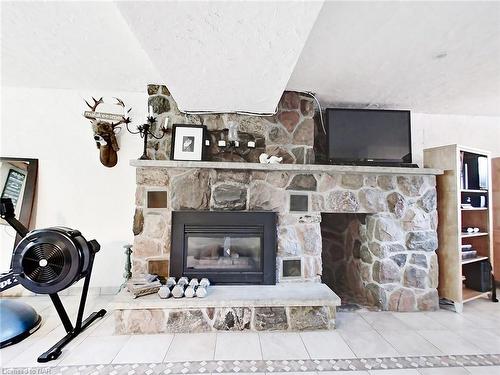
188	142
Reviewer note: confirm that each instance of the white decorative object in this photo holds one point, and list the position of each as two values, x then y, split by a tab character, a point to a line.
251	144
201	292
266	159
189	292
205	282
164	292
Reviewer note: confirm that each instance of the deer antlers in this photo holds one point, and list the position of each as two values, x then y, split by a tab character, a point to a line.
96	103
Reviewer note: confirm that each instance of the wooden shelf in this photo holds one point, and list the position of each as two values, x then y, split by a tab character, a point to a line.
470	235
470	294
475	209
474	191
472	260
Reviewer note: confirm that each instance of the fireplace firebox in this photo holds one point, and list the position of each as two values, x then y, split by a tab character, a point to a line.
226	247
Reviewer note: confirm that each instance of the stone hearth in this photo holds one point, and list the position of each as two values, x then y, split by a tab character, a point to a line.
397	235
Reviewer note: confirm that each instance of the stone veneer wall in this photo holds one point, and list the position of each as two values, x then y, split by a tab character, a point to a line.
397	260
289	133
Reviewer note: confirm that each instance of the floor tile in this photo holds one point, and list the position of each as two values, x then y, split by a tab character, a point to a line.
343	373
384	321
95	350
191	346
418	320
326	345
444	371
282	345
144	349
449	342
487	340
28	356
410	343
368	344
483	370
237	345
408	371
351	321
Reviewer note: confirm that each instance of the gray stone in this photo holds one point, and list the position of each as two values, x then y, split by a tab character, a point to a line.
299	153
387	230
415	219
342	201
307	108
290	100
152	176
189	191
312	238
230	197
270	319
428	202
397	204
327	182
288	241
428	301
422	240
309	318
410	186
386	271
310	219
317	202
145	247
255	125
160	104
365	254
433	271
187	321
139	321
138	222
278	135
303	182
153	89
265	197
234	176
154	225
376	296
278	179
304	133
373	200
399	259
299	203
289	119
419	260
414	277
402	300
386	183
232	319
371	181
352	181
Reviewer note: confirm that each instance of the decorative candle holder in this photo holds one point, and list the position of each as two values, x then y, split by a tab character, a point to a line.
144	131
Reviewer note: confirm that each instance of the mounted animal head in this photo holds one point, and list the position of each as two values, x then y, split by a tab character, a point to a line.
105	131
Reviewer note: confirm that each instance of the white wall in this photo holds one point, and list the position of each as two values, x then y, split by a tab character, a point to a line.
74	189
428	130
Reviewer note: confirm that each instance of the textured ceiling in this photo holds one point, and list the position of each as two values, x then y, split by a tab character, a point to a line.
432	57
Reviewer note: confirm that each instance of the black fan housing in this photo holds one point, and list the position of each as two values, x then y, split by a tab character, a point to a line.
49	260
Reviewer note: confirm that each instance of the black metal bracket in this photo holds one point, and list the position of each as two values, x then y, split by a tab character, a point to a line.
55	351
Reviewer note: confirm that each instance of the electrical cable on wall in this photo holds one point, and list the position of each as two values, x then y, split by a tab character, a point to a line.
263	114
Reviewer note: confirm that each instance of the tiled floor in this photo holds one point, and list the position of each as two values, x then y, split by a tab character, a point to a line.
373	342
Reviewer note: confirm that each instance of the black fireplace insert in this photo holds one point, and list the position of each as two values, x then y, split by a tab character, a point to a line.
226	247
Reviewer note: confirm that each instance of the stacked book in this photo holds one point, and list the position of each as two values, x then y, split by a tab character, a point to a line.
468	252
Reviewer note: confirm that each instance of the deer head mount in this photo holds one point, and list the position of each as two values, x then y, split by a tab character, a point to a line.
105	127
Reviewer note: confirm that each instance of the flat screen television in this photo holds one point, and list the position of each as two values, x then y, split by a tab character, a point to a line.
368	136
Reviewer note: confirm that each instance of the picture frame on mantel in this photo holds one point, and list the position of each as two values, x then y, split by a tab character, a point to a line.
188	142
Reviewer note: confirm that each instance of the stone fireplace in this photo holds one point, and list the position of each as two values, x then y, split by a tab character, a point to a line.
226	247
391	257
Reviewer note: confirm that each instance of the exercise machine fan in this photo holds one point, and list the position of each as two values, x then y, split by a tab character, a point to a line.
47	261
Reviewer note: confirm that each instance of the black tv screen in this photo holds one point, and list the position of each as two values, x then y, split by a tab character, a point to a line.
366	135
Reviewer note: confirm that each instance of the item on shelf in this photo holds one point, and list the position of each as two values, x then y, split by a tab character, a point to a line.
170	282
470	254
205	282
178	290
190	291
188	142
49	260
266	159
466	247
201	292
478	276
143	284
164	292
482	201
466	206
470	230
